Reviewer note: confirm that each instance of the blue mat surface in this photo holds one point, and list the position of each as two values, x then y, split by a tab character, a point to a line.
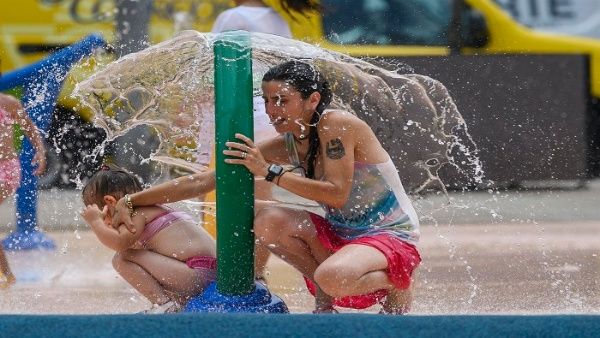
299	325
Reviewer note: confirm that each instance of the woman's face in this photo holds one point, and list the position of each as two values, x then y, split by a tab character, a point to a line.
286	108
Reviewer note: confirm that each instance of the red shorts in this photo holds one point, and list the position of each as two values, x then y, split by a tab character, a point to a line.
402	259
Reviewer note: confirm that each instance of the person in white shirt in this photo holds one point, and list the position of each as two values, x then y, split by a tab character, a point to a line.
256	16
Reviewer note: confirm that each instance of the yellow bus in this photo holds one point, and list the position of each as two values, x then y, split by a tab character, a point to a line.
29	29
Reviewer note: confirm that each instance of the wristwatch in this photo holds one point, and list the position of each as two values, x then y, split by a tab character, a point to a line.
274	171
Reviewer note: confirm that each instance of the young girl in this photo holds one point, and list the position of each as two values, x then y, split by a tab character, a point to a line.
11	112
168	259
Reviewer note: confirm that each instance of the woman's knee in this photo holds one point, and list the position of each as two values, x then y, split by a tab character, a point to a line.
269	224
335	278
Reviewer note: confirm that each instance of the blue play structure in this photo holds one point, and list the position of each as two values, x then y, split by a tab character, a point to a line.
41	83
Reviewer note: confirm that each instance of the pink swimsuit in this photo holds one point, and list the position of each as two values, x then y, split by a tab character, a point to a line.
206	266
10	169
5	117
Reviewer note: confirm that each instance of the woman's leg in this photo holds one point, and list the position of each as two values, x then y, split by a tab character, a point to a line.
361	269
155	275
291	235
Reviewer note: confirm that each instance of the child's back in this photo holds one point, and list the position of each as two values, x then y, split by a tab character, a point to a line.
172	233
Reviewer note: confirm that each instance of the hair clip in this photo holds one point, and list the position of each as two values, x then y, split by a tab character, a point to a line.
104	167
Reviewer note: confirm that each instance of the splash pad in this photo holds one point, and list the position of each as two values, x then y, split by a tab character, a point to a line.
551	269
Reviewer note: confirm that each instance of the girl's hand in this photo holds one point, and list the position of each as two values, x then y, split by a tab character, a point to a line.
39	160
122	216
248	155
91	213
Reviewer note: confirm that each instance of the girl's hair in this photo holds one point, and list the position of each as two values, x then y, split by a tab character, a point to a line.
306	80
109	180
300	6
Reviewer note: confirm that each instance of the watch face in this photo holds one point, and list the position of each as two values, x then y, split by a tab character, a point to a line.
276	169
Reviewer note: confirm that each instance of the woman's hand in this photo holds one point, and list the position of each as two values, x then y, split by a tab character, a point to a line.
91	214
122	216
248	155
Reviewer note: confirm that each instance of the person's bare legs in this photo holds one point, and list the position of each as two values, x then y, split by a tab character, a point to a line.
156	276
6	276
263	197
360	269
290	234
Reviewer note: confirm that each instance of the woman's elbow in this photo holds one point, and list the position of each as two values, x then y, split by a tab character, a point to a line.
338	201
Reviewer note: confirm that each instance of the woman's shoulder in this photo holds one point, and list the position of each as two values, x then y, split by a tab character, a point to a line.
339	119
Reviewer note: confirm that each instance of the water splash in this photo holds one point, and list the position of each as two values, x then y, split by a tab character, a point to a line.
169	87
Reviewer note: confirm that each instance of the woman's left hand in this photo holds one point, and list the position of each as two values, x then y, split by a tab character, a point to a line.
246	154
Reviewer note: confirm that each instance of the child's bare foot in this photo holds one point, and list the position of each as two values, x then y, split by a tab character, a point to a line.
6	280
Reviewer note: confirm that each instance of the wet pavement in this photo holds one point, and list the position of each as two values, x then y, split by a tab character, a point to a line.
484	252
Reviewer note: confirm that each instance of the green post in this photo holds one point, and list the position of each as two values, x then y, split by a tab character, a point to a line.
235	184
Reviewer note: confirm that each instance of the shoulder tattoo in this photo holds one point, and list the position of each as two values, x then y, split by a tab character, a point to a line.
335	149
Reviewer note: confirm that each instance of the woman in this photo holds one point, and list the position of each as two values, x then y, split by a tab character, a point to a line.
363	249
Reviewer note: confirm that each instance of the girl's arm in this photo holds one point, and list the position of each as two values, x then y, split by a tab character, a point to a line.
117	239
31	131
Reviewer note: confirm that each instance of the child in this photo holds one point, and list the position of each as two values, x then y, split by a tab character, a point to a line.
11	112
168	259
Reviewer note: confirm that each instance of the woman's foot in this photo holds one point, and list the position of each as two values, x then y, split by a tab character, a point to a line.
397	302
325	310
323	302
6	280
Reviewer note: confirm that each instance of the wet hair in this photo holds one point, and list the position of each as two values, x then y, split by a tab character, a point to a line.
300	6
306	80
109	180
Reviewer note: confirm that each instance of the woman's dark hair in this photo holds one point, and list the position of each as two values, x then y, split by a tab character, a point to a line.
109	180
306	80
300	6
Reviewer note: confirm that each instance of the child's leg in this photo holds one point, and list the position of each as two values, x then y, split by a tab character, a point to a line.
155	275
6	276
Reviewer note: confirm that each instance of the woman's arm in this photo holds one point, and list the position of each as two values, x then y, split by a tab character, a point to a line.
179	189
337	136
337	133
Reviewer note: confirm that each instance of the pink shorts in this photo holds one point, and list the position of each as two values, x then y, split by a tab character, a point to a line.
206	266
402	259
10	175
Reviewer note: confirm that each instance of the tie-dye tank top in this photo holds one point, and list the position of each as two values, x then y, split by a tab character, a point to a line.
377	203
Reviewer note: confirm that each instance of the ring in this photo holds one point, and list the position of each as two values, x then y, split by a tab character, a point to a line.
244	154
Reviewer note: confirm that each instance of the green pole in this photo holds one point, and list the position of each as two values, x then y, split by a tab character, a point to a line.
235	184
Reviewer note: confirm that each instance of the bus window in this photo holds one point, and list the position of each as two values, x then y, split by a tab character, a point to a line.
387	22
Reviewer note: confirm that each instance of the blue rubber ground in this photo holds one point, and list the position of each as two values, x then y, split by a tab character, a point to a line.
297	325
